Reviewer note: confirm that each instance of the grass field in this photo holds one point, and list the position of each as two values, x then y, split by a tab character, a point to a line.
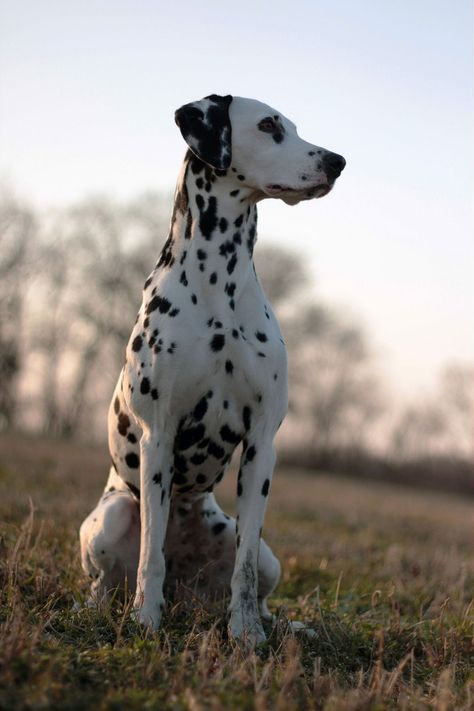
384	574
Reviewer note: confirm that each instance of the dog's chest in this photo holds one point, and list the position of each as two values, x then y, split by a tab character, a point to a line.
179	350
209	378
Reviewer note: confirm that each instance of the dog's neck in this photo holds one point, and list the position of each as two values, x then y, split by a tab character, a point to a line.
212	236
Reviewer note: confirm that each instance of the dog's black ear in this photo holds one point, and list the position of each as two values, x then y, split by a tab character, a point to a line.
205	126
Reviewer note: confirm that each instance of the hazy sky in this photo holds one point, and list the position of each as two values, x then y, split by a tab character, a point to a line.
88	91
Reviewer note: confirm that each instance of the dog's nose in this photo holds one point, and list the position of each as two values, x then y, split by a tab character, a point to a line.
333	165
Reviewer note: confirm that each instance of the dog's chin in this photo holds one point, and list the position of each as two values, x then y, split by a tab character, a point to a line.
292	196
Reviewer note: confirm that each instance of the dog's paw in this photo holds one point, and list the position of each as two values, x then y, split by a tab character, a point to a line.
301	628
92	602
148	615
246	630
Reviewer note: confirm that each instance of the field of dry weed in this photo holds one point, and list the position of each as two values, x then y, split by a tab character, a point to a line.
383	573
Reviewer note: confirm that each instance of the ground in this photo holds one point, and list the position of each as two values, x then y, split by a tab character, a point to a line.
385	575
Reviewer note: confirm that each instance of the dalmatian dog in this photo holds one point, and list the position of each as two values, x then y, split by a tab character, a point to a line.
205	370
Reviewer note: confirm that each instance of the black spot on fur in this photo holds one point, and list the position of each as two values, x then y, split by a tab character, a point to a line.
145	386
157	478
200	409
213	278
123	424
208	216
261	337
227	248
251	239
154	394
217	342
231	264
160	303
132	460
187	232
215	450
247	412
116	405
265	487
179	479
166	257
228	435
250	453
180	463
218	528
137	344
229	367
198	459
192	435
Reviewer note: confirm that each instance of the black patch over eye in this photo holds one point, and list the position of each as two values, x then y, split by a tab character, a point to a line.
267	125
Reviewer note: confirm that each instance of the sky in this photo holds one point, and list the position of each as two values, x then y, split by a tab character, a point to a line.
88	91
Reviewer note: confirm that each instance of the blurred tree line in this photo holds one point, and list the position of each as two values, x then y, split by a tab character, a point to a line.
70	287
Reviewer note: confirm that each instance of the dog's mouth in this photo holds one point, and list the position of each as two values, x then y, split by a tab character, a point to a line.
317	191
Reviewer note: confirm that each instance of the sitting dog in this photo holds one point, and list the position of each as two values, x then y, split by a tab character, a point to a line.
206	370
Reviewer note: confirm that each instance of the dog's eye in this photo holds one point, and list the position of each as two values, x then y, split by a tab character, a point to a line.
267	125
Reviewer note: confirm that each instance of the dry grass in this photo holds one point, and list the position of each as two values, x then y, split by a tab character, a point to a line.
386	576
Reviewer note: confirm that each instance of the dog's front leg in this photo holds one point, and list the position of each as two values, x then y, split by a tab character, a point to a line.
253	485
155	487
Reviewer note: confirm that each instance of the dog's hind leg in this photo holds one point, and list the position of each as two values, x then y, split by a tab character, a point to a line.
110	544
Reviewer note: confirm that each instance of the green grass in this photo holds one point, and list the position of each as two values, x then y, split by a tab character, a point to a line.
383	574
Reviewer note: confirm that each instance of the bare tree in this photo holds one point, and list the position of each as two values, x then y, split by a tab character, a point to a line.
335	393
441	425
17	227
95	258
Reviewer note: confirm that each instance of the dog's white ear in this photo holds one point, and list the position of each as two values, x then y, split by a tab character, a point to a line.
205	126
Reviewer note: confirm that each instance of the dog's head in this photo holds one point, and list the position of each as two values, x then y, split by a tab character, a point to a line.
260	146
